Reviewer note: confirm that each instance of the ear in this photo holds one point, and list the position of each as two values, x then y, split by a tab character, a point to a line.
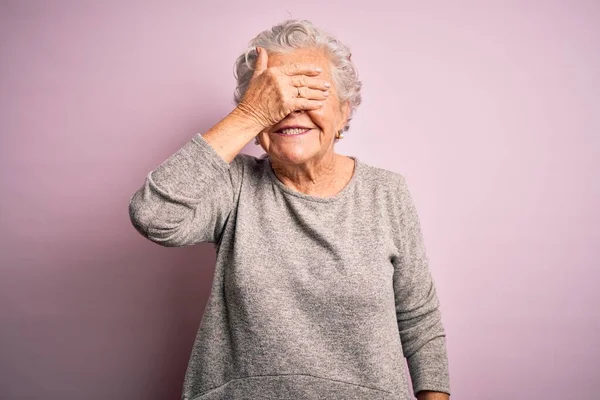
345	110
262	60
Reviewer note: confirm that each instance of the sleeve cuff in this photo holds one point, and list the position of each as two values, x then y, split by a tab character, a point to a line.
428	367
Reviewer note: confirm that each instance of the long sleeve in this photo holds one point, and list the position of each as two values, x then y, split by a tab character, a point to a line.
417	307
187	198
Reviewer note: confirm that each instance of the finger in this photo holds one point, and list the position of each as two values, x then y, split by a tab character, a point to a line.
301	69
310	82
306	104
261	61
312	94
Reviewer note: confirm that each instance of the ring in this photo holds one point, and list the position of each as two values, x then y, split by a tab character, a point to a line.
298	91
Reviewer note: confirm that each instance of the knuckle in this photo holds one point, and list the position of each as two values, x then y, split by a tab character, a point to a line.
282	99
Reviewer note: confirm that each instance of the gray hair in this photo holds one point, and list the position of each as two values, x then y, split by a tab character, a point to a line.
293	34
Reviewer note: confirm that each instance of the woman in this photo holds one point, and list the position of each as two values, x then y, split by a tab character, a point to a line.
322	284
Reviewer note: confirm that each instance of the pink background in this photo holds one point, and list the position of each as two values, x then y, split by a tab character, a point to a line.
490	109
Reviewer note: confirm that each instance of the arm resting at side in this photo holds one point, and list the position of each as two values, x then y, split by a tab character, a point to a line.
417	307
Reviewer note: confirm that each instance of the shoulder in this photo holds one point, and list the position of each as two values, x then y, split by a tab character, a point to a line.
249	163
392	187
381	179
248	168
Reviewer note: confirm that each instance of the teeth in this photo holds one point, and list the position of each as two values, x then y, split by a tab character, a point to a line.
294	131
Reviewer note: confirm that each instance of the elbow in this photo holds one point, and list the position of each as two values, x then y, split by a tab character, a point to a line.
431	331
168	237
138	214
421	331
421	323
144	219
163	224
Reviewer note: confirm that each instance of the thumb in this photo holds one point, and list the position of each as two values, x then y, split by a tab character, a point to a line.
261	61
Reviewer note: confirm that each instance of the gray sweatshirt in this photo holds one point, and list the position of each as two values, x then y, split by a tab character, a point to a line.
312	297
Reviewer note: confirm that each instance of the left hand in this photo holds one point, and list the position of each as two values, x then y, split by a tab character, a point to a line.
428	395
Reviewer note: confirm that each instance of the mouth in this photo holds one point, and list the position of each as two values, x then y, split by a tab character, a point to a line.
292	130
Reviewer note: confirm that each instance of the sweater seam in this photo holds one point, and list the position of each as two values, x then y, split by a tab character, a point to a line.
277	375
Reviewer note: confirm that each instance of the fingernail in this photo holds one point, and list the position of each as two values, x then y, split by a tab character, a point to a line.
326	93
327	84
318	69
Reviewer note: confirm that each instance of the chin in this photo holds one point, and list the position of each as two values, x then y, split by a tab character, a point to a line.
296	155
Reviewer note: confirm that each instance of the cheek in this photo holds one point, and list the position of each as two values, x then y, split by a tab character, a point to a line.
324	117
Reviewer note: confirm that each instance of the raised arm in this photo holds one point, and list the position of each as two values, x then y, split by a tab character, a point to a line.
188	198
417	308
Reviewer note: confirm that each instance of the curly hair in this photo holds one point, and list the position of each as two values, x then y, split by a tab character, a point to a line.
293	34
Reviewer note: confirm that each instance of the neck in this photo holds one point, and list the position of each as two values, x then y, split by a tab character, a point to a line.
314	177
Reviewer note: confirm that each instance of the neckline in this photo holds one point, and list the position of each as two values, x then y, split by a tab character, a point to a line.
346	189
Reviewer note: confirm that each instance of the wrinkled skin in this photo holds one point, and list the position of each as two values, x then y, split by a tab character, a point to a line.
305	162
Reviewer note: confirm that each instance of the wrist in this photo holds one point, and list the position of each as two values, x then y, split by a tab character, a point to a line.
430	395
246	117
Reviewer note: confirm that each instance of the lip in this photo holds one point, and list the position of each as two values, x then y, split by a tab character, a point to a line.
278	132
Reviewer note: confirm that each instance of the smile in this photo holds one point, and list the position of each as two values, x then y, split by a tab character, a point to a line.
292	132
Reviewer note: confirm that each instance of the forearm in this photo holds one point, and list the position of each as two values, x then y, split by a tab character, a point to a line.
229	136
427	395
429	367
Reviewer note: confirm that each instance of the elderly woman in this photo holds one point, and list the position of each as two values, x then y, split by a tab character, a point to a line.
322	285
